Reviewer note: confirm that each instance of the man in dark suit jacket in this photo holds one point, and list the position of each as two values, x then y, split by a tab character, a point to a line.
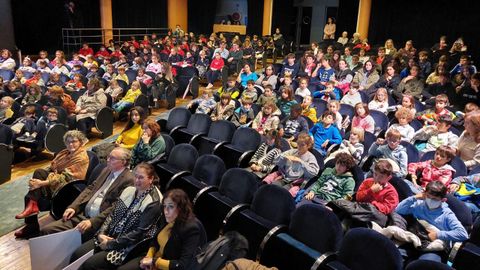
90	209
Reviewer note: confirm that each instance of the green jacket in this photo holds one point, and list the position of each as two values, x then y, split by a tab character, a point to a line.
331	186
145	152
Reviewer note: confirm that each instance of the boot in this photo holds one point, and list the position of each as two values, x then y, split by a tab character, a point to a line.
30	210
28	231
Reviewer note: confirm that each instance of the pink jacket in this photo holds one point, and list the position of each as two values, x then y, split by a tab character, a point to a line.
431	173
365	123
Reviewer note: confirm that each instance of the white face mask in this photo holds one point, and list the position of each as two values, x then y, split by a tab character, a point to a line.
432	204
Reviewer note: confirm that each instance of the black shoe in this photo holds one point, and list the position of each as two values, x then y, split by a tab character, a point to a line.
29	231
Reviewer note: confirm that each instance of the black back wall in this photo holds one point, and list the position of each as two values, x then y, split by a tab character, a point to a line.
139	13
425	21
347	17
38	24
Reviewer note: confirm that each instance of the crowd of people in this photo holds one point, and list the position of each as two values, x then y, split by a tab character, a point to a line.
325	100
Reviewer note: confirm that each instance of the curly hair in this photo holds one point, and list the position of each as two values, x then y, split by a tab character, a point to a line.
184	206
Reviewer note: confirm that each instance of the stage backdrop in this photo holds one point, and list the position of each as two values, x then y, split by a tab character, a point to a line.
235	11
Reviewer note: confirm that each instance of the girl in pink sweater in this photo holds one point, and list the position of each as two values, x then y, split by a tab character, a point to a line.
362	118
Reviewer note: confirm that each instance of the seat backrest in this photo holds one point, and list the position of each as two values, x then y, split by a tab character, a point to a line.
319	158
93	162
273	203
131	75
412	152
427	265
415	124
183	156
320	106
381	120
246	139
475	170
346	109
364	248
461	211
209	169
238	185
6	134
401	187
95	173
309	224
169	143
199	123
178	117
7	75
222	130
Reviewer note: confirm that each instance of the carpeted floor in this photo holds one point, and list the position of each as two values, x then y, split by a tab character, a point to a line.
13	192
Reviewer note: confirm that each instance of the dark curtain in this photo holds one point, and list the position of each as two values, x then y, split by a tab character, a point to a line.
347	17
139	14
255	17
38	24
201	16
283	17
425	21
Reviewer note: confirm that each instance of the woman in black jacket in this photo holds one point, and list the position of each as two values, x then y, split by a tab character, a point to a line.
180	235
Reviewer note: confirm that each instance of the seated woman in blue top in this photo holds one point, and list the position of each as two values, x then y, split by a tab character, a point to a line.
245	75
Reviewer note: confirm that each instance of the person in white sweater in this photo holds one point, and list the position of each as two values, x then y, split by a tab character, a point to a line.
404	117
380	101
353	96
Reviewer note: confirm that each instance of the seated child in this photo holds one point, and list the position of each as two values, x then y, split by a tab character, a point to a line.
430	116
231	88
435	135
468	195
132	132
308	109
330	92
121	75
377	190
5	108
205	103
334	183
302	89
129	99
114	90
390	149
294	166
267	119
363	119
353	146
44	124
75	84
143	77
334	107
268	95
324	133
380	101
243	115
404	117
353	97
33	95
24	127
287	82
430	206
375	199
35	79
286	101
223	109
13	89
262	162
437	169
250	91
459	121
291	126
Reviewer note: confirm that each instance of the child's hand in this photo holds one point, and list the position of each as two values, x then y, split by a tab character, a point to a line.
310	195
380	141
376	187
452	188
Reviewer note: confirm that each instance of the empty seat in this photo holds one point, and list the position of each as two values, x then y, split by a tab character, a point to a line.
198	125
220	132
238	153
177	118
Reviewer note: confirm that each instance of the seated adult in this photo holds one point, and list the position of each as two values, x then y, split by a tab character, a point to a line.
245	75
367	76
132	219
150	145
57	97
88	105
410	85
90	209
179	238
68	165
469	141
430	207
268	77
389	80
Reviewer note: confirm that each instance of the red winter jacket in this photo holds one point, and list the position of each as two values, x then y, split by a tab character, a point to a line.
386	200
